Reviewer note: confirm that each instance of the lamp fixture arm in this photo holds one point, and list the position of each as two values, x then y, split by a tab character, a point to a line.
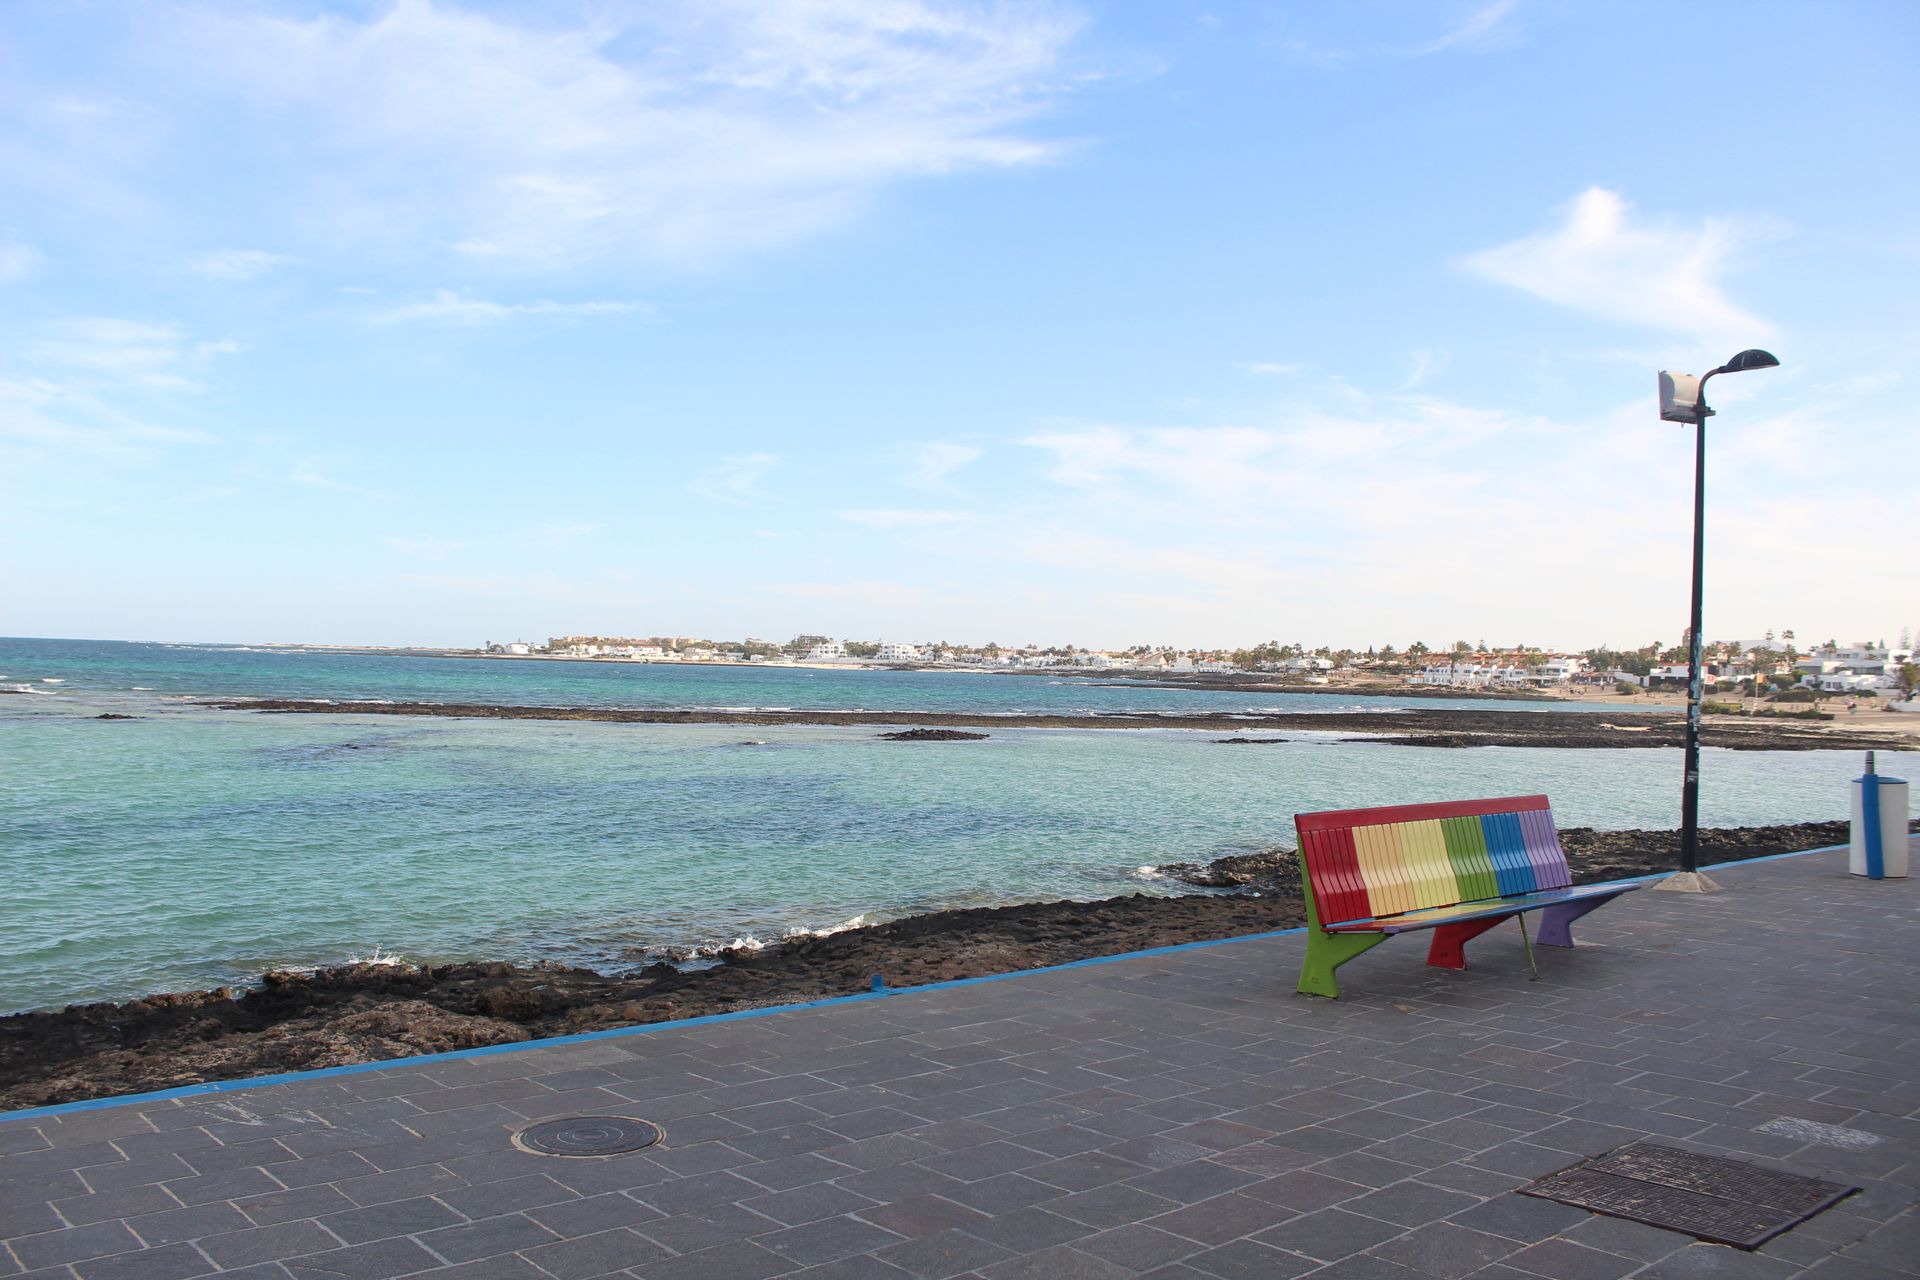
1700	410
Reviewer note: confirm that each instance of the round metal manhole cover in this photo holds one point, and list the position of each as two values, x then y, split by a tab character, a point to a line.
588	1136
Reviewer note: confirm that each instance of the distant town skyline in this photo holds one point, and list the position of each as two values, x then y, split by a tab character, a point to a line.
1775	663
1782	640
407	321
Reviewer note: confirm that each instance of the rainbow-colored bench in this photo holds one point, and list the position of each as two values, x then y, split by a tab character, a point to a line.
1457	868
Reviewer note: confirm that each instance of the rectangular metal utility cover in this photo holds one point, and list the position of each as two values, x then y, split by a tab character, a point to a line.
1710	1197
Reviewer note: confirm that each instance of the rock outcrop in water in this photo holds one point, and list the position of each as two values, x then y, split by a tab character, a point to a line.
1420	727
1267	871
933	735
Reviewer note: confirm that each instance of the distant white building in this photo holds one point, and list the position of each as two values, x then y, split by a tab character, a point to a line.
893	651
1494	673
1559	669
519	648
1675	673
1469	675
827	651
1853	660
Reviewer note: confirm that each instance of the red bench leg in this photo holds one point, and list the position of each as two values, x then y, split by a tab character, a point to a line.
1449	948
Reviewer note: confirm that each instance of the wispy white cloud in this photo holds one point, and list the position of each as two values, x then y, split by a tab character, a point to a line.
310	473
151	355
1863	384
39	413
1217	464
736	479
558	535
882	518
1239	523
1304	36
683	132
238	264
862	592
204	495
426	548
1426	363
92	108
18	260
108	345
931	465
1377	509
1603	261
1485	28
448	307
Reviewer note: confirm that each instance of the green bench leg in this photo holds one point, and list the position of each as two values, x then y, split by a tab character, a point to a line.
1327	952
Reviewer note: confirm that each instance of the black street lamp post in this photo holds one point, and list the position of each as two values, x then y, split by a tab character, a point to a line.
1675	407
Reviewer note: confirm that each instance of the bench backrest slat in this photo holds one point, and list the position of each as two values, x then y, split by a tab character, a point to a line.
1337	881
1549	859
1364	863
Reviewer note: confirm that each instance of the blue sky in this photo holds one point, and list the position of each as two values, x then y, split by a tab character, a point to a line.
1177	323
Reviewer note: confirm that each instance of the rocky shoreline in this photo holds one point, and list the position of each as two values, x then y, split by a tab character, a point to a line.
295	1021
1419	727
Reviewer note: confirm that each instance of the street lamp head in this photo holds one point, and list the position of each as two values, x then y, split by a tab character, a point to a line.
1752	358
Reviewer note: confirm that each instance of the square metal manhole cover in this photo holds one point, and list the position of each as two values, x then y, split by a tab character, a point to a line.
1711	1197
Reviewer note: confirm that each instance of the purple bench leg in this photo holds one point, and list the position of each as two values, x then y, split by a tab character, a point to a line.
1556	921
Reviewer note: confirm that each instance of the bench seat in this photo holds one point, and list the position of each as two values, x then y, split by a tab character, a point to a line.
1456	868
1501	908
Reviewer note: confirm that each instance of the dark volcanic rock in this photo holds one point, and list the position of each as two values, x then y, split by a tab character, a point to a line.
1272	869
1611	855
1420	727
110	715
933	735
293	1021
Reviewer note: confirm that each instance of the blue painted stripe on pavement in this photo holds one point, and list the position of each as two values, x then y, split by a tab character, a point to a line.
741	1015
612	1033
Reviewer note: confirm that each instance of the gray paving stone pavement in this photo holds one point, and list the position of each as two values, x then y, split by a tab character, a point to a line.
1183	1116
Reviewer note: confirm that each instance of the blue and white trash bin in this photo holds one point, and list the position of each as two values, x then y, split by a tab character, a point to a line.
1878	849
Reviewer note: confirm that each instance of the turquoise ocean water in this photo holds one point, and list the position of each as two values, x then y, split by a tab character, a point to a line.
193	847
